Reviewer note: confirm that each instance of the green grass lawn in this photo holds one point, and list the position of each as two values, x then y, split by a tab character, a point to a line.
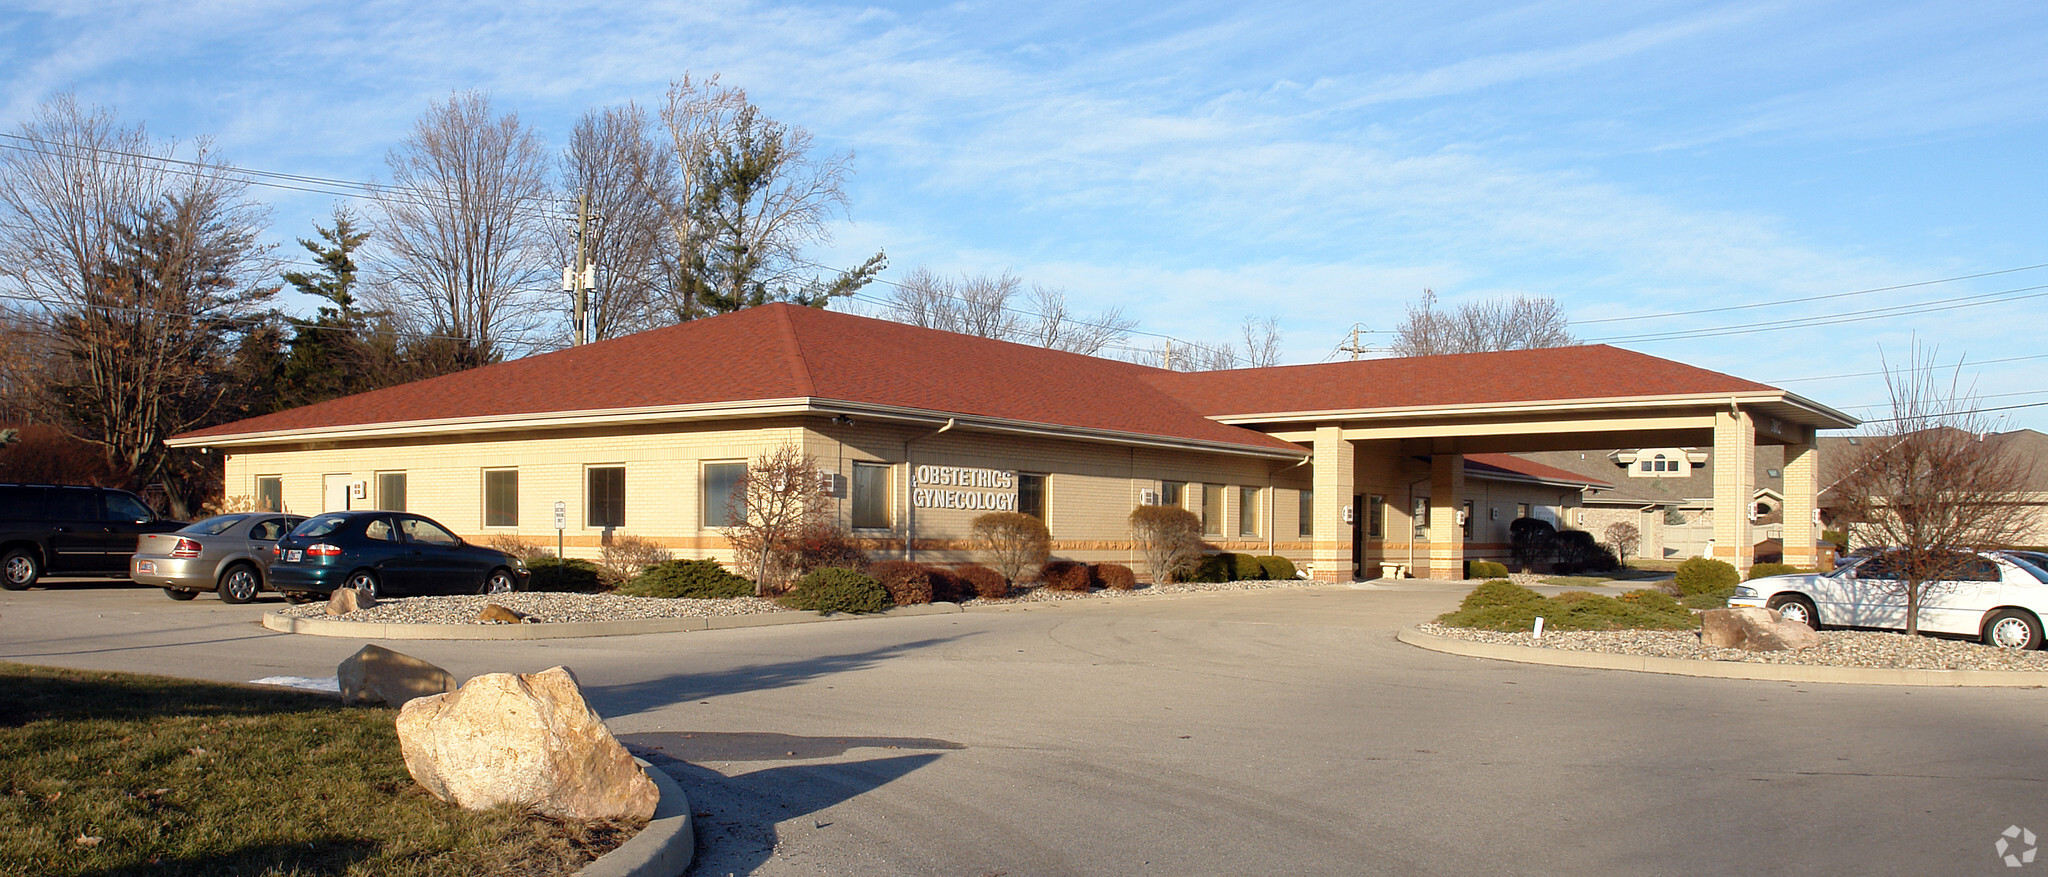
116	774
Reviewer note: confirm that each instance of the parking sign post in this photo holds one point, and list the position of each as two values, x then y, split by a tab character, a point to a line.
561	523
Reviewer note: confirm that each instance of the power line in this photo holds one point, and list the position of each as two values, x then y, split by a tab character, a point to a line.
1935	367
1971	411
1948	304
1792	301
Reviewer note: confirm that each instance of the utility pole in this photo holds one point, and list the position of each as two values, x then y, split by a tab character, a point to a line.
1354	348
577	279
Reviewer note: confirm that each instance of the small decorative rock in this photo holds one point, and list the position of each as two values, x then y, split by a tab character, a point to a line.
495	614
346	600
1758	630
375	674
527	739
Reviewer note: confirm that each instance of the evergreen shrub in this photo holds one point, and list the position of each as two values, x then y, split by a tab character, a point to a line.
1278	568
694	579
555	574
837	590
1701	575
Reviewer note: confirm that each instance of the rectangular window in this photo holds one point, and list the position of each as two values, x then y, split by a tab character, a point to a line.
391	491
1170	492
1308	513
1247	511
721	485
1212	509
501	497
270	493
606	507
1467	523
1031	495
1376	516
871	496
1421	517
1521	510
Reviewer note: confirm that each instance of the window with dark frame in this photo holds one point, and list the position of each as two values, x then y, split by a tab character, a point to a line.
1467	527
1247	511
1308	513
1420	517
270	493
606	505
1212	509
871	496
391	491
721	482
501	497
1376	516
1170	492
1031	495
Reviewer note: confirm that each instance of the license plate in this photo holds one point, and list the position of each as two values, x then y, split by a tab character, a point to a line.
145	566
294	556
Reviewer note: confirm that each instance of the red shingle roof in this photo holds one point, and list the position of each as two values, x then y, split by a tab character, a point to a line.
1590	372
789	352
1509	464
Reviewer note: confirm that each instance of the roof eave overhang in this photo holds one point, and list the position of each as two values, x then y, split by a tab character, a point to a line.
742	410
1537	480
1803	411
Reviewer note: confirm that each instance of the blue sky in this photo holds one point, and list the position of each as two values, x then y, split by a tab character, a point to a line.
1196	164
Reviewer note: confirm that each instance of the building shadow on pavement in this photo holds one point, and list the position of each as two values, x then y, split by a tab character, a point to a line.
739	818
614	701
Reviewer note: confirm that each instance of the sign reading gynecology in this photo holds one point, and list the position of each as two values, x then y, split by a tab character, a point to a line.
956	487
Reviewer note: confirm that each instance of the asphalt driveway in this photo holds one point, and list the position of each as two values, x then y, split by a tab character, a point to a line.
1281	732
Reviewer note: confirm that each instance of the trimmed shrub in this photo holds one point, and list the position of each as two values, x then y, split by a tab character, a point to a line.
948	586
1701	575
624	557
1529	542
1064	575
1504	606
824	546
837	590
1773	569
1115	576
1227	566
1577	550
696	579
1016	543
1170	538
550	573
1485	569
1275	567
908	584
986	583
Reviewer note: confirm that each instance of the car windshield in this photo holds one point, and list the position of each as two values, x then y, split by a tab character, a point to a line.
319	526
213	526
2032	564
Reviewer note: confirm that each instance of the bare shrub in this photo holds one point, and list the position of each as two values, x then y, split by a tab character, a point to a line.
772	507
1170	537
626	556
1015	542
515	546
1623	538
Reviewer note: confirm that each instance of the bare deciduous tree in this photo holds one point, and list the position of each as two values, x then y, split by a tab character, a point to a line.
627	177
987	307
463	242
148	274
1931	484
747	196
1623	538
1515	322
774	504
1261	342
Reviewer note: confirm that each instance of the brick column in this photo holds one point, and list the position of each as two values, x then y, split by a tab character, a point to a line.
1734	487
1446	497
1330	549
1802	462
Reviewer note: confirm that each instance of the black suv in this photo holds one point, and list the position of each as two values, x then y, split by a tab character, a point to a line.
65	530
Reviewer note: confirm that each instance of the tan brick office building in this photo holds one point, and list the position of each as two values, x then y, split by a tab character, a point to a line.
1341	466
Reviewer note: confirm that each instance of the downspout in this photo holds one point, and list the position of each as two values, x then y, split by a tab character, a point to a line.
909	500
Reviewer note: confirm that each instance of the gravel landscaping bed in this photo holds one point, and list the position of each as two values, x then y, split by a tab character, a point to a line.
1838	648
548	606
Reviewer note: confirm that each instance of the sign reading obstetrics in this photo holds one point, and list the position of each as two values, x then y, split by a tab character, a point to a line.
993	490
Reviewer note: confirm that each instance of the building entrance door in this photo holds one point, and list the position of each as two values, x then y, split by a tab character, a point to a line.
1358	513
334	493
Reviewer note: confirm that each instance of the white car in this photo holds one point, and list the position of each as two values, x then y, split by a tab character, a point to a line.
2000	598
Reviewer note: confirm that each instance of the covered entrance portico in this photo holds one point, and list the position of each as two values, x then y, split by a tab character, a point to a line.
1345	442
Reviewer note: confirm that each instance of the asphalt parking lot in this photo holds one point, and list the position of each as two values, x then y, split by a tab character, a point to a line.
1258	732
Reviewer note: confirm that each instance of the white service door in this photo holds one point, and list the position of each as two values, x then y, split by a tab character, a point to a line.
334	493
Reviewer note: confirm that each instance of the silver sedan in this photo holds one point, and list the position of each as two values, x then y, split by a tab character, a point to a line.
226	554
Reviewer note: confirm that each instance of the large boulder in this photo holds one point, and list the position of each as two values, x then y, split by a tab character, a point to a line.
1758	630
375	674
345	600
526	739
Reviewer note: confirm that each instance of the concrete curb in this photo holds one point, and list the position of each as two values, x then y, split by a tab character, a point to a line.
664	848
1724	669
571	629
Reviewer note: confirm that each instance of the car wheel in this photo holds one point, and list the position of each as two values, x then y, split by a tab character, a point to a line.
180	594
365	581
19	569
2013	629
500	582
1793	607
239	584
